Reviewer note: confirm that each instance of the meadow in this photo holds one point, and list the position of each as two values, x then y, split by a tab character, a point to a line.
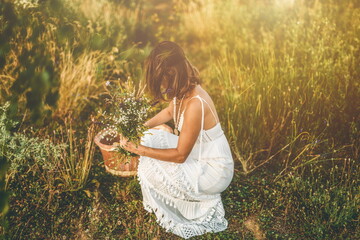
284	76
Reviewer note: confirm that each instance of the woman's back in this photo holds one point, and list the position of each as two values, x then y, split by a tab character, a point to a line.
211	118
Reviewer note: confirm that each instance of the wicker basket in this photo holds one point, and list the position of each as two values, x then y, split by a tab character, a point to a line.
116	163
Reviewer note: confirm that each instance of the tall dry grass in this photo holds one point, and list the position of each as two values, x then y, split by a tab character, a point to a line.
286	74
76	161
80	81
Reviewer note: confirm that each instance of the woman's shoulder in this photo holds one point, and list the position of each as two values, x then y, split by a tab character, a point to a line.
194	103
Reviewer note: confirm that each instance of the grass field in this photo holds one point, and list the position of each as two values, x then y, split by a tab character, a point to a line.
284	76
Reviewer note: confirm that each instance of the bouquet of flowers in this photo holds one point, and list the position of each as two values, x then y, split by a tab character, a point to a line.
125	114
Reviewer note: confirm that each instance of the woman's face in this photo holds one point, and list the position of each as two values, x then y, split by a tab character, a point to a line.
165	82
163	87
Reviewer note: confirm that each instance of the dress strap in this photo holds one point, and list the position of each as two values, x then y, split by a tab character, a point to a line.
202	99
201	139
202	123
210	109
174	109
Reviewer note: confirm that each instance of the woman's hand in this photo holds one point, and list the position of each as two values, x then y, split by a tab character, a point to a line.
126	144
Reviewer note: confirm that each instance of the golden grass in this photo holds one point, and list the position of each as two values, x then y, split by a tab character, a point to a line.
277	71
79	81
75	165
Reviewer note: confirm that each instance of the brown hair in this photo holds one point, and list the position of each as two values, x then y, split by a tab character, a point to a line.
167	62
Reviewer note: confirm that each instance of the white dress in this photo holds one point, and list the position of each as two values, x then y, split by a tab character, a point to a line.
186	197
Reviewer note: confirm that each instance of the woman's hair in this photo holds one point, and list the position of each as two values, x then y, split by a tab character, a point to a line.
167	64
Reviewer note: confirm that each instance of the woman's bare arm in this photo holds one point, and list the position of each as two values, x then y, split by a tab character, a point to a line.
163	116
187	138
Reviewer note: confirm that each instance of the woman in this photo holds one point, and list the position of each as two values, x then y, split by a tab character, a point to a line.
181	177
